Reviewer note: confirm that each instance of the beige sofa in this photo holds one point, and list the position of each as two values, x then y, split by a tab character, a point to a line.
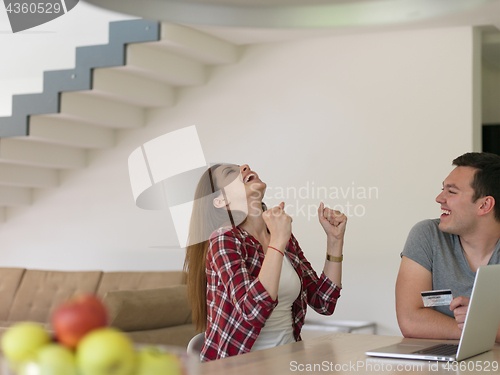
151	306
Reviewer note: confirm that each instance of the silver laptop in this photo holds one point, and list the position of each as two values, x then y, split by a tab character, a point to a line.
479	332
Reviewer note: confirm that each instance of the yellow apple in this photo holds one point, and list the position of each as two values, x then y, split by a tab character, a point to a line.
153	361
106	351
22	340
55	359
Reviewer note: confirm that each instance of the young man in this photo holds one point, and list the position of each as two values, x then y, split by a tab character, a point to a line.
445	253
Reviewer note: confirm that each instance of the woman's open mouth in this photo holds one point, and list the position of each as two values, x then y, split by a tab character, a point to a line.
249	177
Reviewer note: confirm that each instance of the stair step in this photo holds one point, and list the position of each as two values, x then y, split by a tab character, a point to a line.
113	54
14	126
79	78
15	196
34	104
84	107
56	81
59	130
41	154
100	56
195	44
134	31
118	85
26	176
165	66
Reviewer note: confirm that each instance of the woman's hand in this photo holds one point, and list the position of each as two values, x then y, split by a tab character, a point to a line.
279	225
333	222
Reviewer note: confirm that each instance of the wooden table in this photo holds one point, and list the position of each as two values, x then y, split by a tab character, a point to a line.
341	353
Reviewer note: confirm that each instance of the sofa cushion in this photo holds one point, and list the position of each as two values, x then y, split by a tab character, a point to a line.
10	278
139	280
135	310
42	291
178	335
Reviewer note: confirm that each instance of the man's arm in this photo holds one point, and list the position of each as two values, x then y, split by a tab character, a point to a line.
414	319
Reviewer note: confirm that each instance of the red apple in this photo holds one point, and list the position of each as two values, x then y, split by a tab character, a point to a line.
77	317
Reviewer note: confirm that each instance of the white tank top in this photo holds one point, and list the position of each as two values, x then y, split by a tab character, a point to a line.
278	329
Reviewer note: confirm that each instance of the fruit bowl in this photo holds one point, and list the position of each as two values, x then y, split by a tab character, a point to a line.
82	343
148	352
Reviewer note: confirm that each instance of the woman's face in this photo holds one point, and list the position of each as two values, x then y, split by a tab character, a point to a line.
240	184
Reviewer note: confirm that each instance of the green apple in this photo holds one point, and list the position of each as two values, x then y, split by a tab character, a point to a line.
152	361
55	359
106	351
28	368
22	340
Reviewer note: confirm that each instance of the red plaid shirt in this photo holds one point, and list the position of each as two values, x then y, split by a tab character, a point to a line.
238	305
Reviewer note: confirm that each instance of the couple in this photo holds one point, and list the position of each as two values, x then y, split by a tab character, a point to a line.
249	283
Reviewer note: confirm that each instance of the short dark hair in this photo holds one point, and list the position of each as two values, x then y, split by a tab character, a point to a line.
486	181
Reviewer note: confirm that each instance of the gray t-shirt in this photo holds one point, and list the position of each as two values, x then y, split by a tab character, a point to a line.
442	254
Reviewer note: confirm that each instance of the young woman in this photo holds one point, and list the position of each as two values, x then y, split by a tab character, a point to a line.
249	283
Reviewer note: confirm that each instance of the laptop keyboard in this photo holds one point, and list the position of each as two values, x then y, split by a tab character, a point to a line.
441	349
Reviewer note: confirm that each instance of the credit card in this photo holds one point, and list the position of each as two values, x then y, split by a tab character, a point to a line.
441	297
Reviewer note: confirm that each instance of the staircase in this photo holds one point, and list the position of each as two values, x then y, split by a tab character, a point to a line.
110	88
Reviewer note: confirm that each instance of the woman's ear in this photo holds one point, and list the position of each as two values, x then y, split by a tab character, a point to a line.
219	202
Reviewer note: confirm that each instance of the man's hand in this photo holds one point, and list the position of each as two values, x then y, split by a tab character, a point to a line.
459	306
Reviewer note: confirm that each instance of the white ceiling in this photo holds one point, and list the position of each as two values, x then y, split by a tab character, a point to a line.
258	3
260	21
487	15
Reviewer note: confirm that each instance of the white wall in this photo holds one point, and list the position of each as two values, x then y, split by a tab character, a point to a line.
388	111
